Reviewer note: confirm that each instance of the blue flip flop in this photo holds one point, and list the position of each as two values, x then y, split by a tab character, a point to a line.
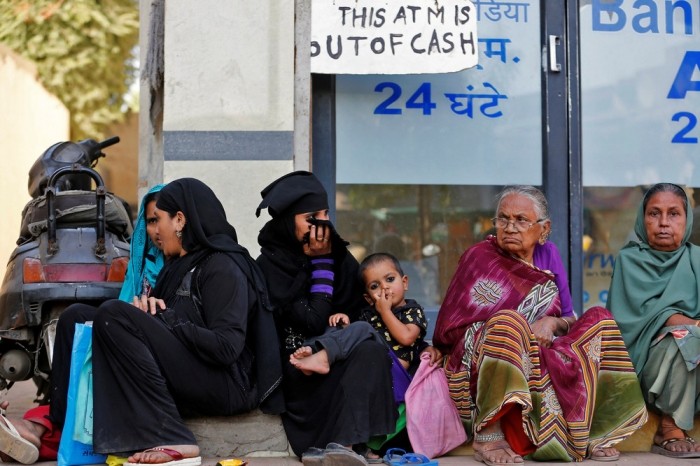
399	457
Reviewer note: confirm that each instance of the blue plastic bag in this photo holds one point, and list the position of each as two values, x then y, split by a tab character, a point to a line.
72	452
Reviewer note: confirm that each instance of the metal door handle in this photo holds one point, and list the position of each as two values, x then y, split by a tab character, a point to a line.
554	65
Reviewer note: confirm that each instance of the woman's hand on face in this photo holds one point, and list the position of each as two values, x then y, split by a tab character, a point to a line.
544	329
151	305
319	241
435	355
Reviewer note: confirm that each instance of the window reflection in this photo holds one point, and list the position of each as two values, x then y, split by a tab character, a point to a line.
609	215
427	227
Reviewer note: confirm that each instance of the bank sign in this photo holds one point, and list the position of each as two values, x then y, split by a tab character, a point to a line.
394	37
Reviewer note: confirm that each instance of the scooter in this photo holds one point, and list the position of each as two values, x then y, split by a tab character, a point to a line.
73	247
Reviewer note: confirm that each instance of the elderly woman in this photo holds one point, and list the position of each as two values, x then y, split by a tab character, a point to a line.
527	377
655	299
202	343
311	275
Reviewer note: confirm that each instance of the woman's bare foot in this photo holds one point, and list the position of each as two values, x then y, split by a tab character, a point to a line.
158	455
490	446
26	429
670	437
314	363
605	454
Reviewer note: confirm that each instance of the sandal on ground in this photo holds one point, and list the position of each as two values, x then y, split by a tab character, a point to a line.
493	446
14	445
339	455
660	446
176	458
313	456
370	456
399	457
603	457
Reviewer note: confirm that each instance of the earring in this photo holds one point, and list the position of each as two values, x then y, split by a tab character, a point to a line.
178	234
543	239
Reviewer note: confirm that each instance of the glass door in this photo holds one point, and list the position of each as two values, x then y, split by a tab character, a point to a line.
418	159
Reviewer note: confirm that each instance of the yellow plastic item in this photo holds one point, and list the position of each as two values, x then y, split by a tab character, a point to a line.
232	462
113	460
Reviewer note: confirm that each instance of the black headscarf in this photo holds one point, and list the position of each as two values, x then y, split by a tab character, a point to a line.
282	259
207	231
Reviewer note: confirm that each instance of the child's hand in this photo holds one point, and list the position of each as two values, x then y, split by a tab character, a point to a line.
382	300
338	319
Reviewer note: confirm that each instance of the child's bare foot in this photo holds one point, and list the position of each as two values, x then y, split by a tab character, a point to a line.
314	363
303	352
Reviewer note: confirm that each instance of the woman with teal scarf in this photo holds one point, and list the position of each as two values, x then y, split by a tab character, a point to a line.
655	299
146	258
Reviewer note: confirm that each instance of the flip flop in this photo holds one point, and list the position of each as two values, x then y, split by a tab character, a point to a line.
399	457
13	445
603	458
313	456
367	455
497	445
660	449
177	458
339	455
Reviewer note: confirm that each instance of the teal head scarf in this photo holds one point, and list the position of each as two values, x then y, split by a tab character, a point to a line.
649	286
145	259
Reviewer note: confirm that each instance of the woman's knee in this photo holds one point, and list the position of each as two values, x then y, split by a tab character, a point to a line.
110	312
75	314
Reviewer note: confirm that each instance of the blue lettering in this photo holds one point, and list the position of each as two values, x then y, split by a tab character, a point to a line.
605	260
610	16
687	15
650	16
612	10
684	82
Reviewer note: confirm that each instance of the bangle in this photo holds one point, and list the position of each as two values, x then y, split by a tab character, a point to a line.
568	327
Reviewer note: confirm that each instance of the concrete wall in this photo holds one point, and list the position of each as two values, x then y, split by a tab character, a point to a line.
31	120
229	100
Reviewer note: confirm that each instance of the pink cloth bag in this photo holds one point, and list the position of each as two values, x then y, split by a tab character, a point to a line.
432	420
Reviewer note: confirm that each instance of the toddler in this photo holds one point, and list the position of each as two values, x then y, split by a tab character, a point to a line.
391	318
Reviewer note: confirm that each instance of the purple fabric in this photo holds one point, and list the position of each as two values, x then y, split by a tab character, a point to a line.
320	273
547	257
322	261
328	289
400	377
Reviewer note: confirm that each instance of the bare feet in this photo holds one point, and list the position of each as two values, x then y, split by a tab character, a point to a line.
26	429
158	455
308	362
605	454
670	437
490	447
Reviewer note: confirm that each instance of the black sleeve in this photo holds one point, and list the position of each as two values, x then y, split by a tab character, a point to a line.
226	298
310	312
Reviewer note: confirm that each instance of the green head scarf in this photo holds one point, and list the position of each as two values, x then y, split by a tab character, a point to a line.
649	286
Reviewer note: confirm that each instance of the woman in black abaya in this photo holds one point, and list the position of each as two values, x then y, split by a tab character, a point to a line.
311	275
203	343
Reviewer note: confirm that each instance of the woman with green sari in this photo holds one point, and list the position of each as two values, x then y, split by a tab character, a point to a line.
655	299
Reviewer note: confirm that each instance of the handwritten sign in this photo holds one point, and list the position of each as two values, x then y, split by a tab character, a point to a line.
393	37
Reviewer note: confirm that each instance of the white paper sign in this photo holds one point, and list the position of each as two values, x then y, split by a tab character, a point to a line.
393	36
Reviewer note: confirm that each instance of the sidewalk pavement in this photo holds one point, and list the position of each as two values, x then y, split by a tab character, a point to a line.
21	396
628	459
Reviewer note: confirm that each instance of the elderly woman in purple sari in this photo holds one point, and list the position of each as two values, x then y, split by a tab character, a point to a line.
527	376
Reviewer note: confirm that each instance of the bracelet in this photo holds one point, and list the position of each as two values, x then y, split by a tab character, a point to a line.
568	327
